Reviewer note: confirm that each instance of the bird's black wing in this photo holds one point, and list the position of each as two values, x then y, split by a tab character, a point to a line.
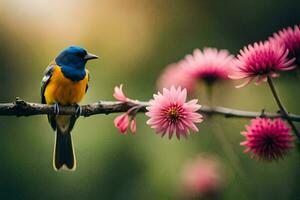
89	77
47	75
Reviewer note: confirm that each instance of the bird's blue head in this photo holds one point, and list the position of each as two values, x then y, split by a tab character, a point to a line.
72	61
74	56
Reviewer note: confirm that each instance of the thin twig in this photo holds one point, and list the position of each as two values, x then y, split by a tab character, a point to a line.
23	108
282	108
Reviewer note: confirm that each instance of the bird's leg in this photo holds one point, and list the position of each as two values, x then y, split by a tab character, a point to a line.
56	109
78	110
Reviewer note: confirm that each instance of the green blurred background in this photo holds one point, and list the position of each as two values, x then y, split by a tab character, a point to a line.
135	39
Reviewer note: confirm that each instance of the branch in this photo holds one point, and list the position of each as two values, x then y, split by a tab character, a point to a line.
23	108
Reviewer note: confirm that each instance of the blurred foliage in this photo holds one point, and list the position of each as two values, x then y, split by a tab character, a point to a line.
135	40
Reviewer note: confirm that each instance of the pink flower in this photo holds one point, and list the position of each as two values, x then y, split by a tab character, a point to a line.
170	113
119	95
175	75
133	126
267	139
209	65
259	61
122	122
202	177
290	38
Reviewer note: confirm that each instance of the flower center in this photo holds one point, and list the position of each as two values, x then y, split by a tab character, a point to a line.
173	113
269	144
269	141
265	71
209	79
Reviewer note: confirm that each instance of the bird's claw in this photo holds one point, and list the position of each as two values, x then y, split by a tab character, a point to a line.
56	109
78	111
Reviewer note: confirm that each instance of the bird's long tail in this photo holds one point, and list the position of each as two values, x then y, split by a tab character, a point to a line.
63	154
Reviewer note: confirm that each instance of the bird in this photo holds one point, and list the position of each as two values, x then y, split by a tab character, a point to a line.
65	83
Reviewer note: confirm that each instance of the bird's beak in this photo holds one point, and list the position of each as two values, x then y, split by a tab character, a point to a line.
90	56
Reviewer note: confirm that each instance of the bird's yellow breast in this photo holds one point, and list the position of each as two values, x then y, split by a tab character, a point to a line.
63	90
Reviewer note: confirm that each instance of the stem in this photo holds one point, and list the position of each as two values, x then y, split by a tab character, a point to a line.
229	151
298	72
219	134
282	108
209	93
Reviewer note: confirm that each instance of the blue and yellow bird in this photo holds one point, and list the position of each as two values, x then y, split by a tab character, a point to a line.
65	82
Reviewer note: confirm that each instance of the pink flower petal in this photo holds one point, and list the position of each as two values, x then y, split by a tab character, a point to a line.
121	122
133	126
119	95
259	61
267	139
170	113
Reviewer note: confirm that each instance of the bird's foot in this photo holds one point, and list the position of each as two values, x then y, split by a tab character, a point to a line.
78	111
56	109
